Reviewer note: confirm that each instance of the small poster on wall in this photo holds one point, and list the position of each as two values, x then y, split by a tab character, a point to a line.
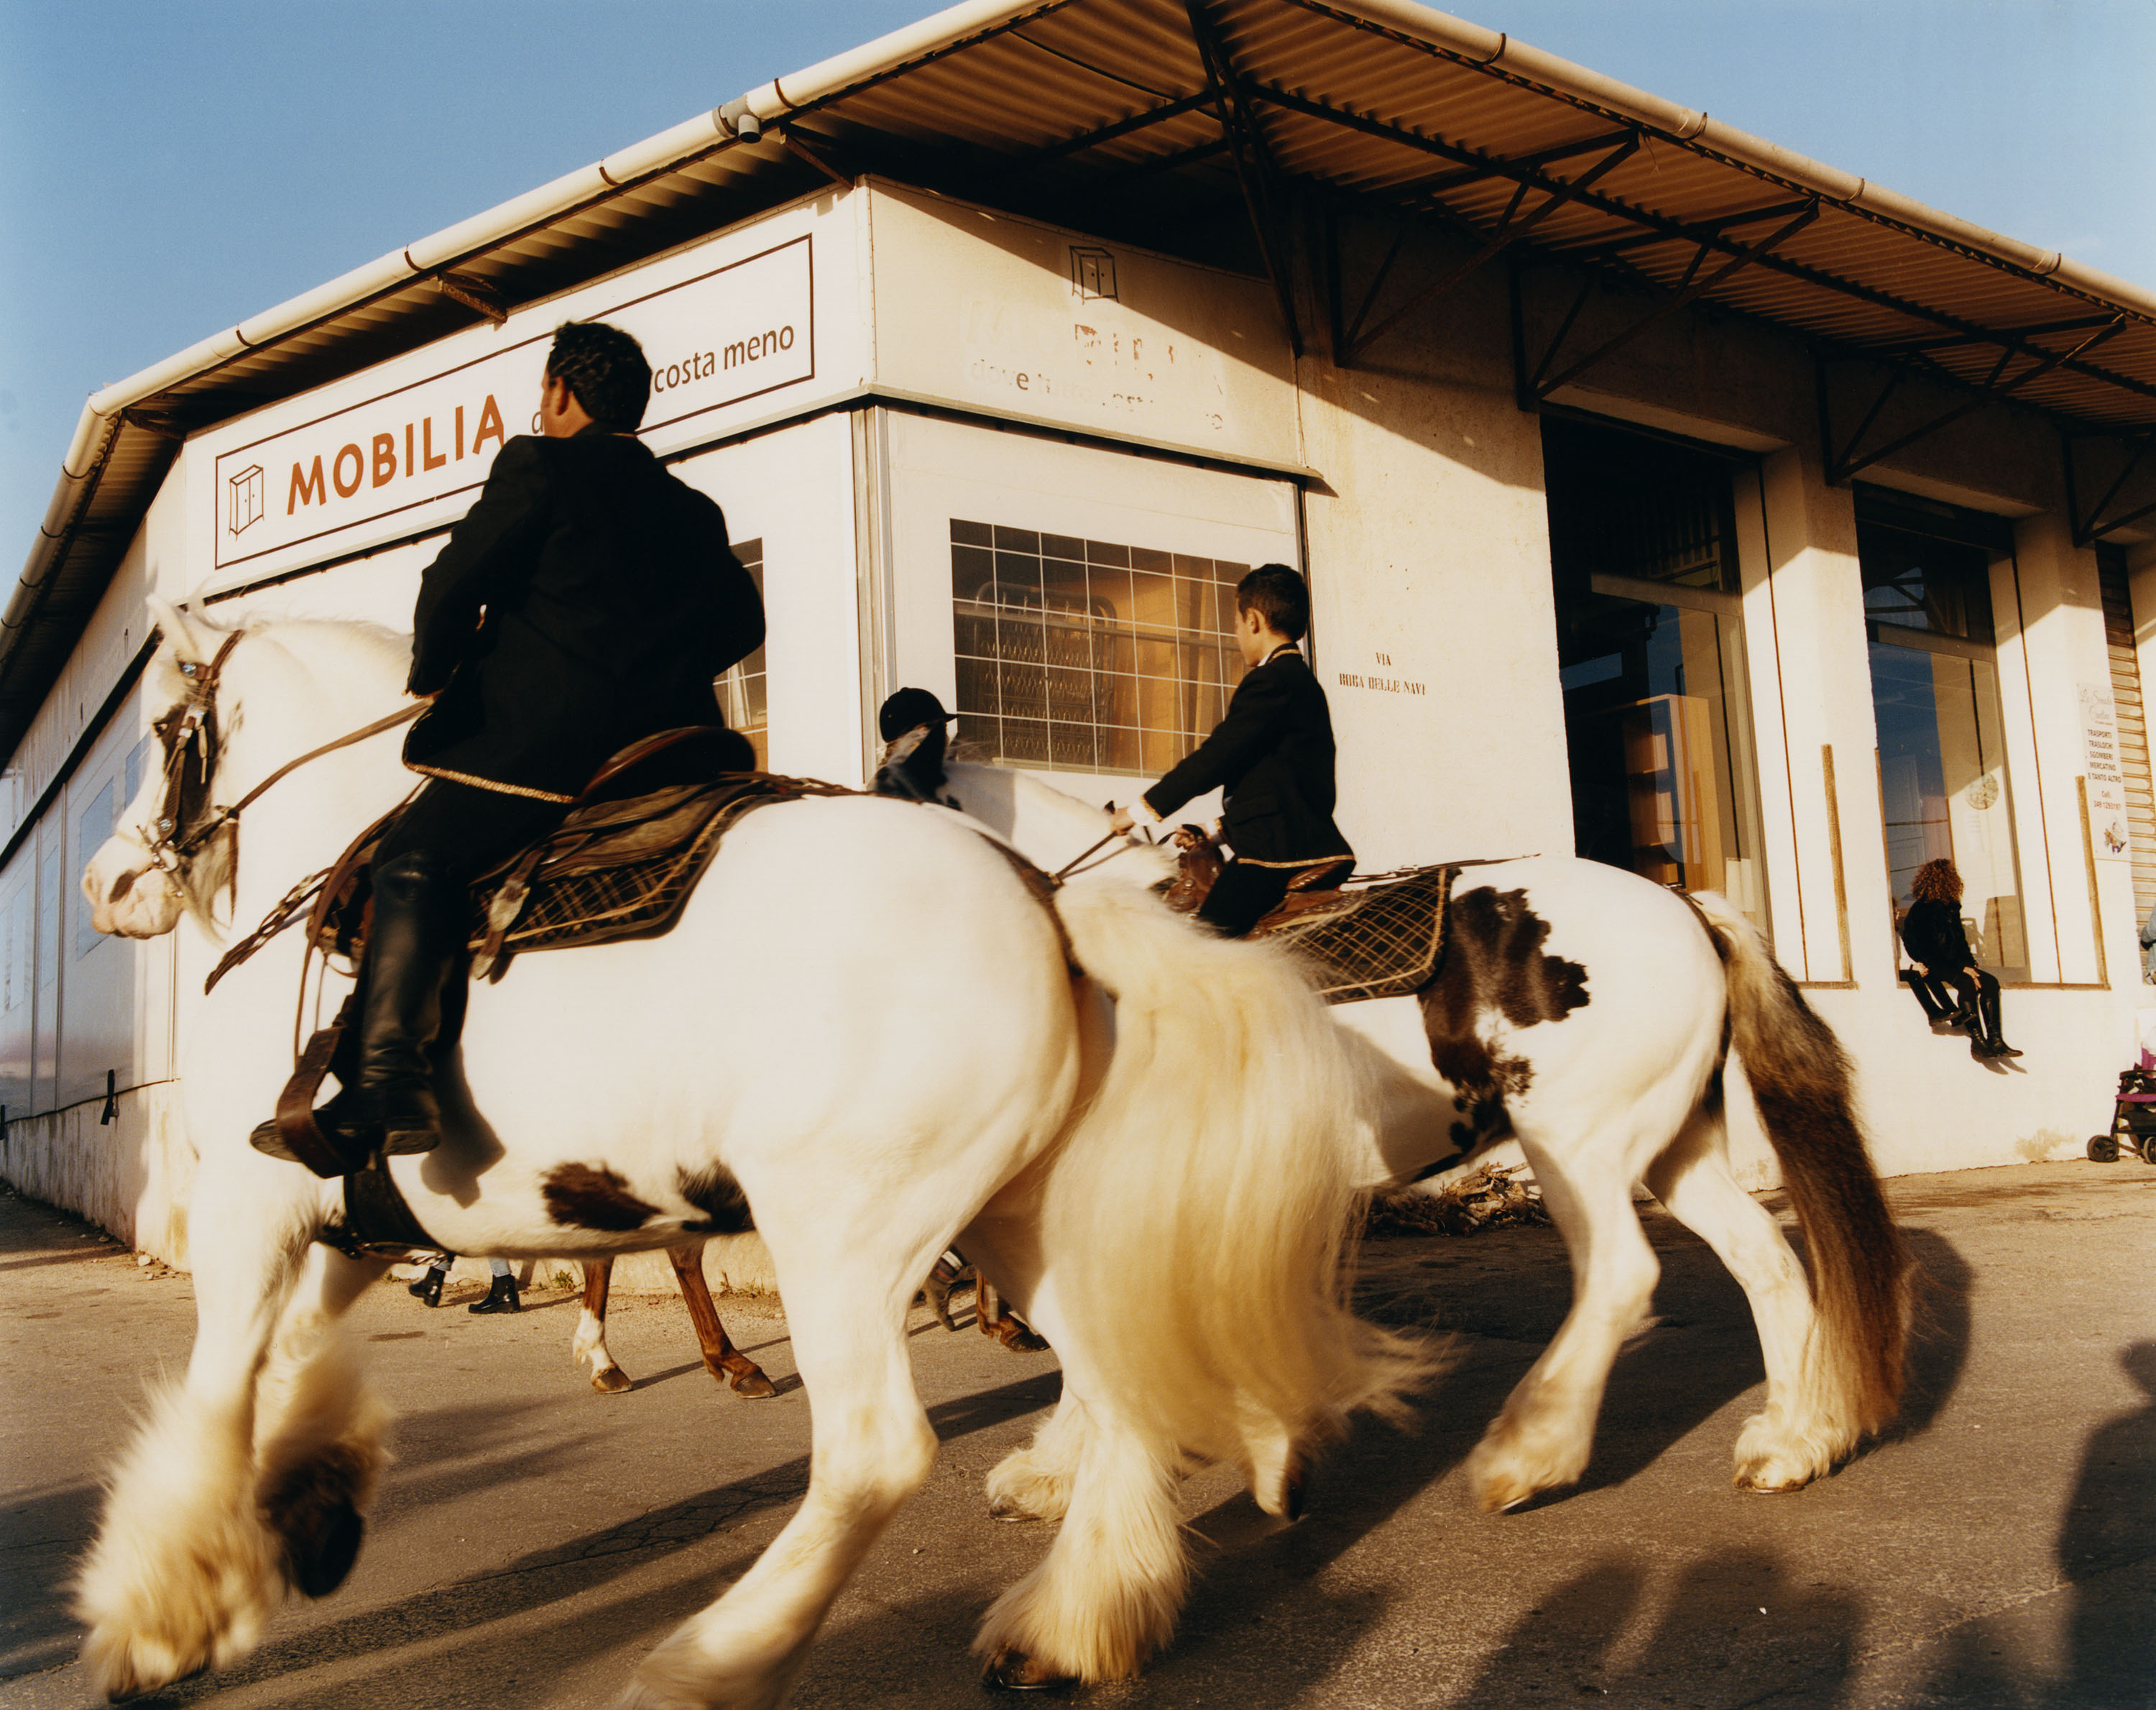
2107	783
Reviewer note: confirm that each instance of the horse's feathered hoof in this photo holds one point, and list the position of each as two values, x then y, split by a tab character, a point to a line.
1014	1671
319	1564
613	1381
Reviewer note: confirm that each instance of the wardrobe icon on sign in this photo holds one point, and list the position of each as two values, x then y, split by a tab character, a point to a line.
245	506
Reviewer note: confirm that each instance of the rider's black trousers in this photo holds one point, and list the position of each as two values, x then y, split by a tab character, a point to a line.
466	829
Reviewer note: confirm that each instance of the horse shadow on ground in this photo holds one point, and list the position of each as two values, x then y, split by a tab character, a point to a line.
414	1627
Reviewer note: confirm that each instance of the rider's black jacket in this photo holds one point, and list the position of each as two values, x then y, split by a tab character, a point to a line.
611	600
1274	754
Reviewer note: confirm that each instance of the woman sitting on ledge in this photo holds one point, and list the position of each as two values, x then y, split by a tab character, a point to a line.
1938	950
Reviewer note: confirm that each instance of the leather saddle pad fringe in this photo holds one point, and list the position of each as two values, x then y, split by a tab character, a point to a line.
614	868
1380	940
617	869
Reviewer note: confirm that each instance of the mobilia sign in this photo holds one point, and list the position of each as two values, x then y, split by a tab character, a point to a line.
418	453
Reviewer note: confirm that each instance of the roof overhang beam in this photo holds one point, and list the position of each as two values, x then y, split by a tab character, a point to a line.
1256	172
2091	526
1844	462
1664	227
1514	226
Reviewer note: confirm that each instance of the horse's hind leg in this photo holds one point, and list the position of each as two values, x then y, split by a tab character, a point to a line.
589	1344
1793	1440
1107	1594
1033	1483
1543	1438
318	1428
184	1572
722	1359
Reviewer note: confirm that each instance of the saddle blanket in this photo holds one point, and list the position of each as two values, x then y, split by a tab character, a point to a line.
1383	940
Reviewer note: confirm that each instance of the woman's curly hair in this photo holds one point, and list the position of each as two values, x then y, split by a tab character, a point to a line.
1936	881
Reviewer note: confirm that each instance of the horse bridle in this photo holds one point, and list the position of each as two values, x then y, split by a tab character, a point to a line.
191	740
188	735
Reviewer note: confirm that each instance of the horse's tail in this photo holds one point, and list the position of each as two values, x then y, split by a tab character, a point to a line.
1202	1206
1800	1080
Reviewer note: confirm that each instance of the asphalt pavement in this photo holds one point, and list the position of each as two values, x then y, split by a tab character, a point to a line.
534	1539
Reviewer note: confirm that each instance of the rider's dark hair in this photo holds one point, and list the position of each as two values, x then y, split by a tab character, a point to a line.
606	372
1280	596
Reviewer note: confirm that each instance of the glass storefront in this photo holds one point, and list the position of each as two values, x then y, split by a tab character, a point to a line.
1942	772
1087	656
1650	648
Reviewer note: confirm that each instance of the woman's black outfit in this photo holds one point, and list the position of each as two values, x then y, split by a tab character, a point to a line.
1931	933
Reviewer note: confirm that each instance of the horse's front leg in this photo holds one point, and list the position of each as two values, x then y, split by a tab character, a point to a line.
590	1345
722	1359
184	1571
845	1304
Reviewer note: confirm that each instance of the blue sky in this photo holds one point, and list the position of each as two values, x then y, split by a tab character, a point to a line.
168	169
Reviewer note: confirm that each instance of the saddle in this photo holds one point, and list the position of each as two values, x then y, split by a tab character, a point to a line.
623	864
1383	936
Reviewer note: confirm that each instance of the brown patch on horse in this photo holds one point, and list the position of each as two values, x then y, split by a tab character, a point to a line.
580	1197
716	1194
1494	962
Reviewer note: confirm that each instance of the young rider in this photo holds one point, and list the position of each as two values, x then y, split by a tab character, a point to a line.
588	599
1273	753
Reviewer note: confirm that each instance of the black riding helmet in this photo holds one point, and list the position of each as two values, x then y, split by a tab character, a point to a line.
908	708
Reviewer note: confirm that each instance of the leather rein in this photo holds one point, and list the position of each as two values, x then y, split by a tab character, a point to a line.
190	737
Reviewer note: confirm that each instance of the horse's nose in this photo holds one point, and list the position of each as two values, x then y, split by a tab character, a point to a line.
120	881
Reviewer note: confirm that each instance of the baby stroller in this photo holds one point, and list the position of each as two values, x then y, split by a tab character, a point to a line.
2133	1116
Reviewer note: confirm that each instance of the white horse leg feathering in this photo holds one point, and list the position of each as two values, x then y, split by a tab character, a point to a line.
597	1104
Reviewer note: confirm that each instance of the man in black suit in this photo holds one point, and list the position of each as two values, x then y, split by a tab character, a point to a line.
587	600
1273	753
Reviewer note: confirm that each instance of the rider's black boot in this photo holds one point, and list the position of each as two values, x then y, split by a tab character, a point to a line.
411	947
501	1297
1990	1042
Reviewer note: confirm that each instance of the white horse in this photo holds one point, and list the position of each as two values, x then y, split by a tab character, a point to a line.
869	1031
1590	1013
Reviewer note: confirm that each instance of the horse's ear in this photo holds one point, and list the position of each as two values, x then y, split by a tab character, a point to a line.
182	629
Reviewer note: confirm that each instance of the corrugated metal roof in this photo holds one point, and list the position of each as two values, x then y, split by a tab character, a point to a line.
1087	109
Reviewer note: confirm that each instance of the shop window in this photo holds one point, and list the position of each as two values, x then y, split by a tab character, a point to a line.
1650	651
1942	749
1088	655
740	689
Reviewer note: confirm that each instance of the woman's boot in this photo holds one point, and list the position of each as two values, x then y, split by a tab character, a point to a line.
429	1288
1990	1043
501	1297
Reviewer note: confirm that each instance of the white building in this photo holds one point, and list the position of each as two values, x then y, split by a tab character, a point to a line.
1665	495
